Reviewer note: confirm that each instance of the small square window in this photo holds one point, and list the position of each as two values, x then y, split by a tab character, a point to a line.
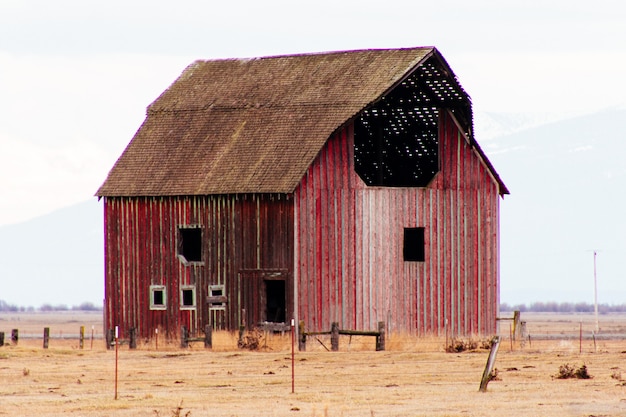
217	297
414	244
190	244
188	297
158	297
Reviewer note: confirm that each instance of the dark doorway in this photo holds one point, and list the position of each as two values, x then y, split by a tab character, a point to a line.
275	299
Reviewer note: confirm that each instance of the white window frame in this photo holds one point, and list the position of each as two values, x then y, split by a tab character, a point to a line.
184	288
153	289
213	290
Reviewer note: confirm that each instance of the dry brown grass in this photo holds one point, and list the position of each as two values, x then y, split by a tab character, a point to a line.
414	377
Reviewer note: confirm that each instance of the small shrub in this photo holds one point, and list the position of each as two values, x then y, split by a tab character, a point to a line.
456	345
25	371
487	343
493	375
565	371
251	341
176	412
581	373
569	371
617	375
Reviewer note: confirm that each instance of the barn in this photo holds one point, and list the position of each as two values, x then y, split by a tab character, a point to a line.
339	187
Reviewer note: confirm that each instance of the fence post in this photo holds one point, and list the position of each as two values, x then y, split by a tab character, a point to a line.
302	337
15	335
46	337
81	342
132	336
380	339
109	337
208	336
334	337
183	337
491	361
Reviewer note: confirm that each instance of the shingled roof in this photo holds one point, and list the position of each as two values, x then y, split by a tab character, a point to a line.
252	125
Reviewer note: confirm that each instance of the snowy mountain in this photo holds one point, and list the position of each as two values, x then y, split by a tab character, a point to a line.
568	184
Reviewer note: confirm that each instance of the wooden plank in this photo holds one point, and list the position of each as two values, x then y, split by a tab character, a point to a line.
489	366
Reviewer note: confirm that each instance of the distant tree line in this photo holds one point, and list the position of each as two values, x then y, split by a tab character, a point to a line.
86	306
537	307
565	307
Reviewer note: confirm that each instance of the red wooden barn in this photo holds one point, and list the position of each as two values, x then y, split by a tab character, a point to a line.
333	187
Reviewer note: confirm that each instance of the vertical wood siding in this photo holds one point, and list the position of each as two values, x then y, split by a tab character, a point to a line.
349	255
336	242
245	232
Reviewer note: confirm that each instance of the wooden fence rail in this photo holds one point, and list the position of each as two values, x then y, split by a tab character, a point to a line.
185	338
335	332
131	341
15	336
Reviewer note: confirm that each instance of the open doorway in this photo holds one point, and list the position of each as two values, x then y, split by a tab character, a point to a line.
264	296
275	300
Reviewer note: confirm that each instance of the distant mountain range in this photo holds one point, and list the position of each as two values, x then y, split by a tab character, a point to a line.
568	187
57	258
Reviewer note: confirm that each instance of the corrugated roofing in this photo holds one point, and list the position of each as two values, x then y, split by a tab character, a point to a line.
252	125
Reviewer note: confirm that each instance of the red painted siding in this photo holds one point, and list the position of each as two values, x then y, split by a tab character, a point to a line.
336	242
349	255
240	234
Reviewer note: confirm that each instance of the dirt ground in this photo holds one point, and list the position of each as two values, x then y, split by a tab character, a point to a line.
413	377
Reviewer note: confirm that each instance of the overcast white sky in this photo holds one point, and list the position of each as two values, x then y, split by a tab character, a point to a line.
76	76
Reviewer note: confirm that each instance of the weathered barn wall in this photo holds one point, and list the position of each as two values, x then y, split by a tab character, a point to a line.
245	240
349	259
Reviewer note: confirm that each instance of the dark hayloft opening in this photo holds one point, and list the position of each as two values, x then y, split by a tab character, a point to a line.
414	244
396	140
190	244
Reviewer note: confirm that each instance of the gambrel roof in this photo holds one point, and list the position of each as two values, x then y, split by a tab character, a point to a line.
256	125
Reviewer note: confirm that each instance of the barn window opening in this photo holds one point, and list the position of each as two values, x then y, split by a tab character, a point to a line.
188	297
217	297
414	244
158	297
190	244
275	299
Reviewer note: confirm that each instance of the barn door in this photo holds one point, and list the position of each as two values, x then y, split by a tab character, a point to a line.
264	296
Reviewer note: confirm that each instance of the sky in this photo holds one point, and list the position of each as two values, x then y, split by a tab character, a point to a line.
76	76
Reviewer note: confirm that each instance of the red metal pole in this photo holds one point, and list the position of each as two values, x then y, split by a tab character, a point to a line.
116	357
293	354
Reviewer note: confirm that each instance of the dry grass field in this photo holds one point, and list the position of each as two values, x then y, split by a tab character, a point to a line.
413	377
